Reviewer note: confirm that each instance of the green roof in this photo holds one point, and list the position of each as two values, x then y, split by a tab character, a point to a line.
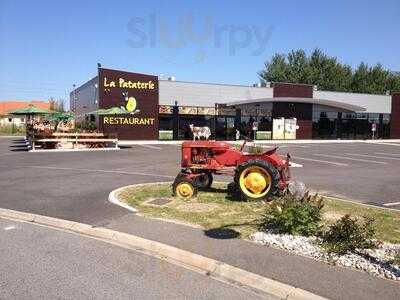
30	110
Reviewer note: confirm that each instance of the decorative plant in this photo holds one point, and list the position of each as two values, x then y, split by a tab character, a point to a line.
348	235
396	259
294	216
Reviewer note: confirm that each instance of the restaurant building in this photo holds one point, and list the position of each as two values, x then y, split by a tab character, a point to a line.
156	108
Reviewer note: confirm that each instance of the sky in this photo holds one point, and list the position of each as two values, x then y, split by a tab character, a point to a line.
47	46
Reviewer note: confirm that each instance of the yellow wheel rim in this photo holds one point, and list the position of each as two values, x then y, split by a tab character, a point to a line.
255	182
184	190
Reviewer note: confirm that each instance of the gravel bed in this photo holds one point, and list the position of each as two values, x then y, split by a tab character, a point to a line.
373	261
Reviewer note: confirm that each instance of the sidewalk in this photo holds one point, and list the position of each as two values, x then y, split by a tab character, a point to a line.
319	278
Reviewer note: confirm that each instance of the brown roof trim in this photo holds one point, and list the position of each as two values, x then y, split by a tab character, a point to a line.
335	104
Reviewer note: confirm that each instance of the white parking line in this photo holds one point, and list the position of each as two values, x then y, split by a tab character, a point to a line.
389	154
373	156
97	170
322	161
295	165
391	204
151	147
354	159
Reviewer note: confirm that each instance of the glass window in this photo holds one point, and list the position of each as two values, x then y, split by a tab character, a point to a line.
348	128
264	123
385	130
165	122
325	124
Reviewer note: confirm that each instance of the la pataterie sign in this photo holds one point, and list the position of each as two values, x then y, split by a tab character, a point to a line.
128	84
134	99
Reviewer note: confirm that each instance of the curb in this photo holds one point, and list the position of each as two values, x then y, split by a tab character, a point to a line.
211	267
113	196
12	136
272	142
73	150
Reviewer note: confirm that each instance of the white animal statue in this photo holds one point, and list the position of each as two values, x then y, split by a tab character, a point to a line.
199	132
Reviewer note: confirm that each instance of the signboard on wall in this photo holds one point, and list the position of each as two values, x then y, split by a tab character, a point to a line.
137	95
278	129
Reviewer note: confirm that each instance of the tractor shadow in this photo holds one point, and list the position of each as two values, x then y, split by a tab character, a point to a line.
231	195
226	232
232	192
213	190
222	233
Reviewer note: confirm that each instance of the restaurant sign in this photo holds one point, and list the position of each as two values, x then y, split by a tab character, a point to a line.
134	99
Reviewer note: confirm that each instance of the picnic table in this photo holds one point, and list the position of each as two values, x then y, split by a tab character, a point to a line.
74	140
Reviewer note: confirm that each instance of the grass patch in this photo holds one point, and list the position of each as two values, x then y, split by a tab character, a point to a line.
387	222
221	211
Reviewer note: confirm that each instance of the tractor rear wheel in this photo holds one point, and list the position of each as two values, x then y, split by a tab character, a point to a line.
204	181
183	187
257	179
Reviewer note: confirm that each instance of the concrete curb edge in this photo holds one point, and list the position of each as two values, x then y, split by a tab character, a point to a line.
266	142
113	196
209	266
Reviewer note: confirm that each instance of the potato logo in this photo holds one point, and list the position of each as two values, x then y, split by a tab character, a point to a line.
131	105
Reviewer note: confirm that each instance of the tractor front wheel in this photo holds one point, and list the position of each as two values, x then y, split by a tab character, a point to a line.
183	187
257	179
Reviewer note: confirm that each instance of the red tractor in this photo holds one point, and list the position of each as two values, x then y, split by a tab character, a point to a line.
256	176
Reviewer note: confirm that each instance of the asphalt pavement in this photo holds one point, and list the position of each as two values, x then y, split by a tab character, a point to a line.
42	263
75	186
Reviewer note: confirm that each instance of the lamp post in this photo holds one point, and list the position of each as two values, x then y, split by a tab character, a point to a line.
73	98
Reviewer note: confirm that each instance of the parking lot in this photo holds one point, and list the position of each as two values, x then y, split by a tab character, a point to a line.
75	185
364	172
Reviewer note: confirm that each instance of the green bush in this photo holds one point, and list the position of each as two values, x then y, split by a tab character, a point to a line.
292	216
11	129
89	126
349	234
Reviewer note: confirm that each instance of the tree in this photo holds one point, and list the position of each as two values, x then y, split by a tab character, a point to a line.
328	73
394	81
276	70
298	66
56	105
61	105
